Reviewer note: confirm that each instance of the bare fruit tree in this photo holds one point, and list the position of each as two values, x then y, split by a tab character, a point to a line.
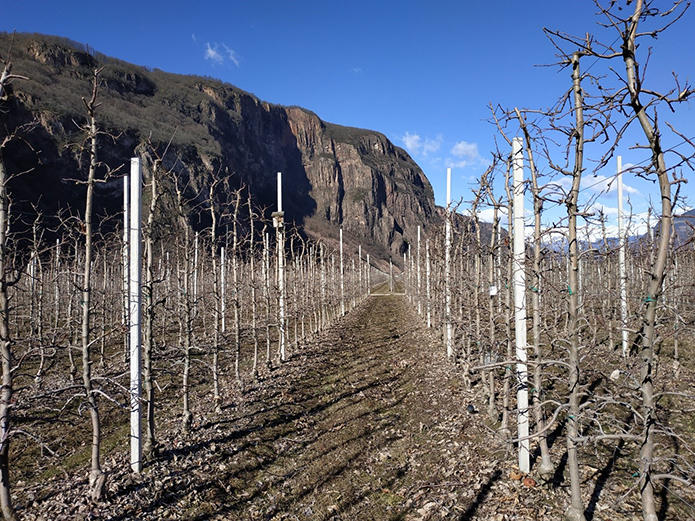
7	279
97	477
639	105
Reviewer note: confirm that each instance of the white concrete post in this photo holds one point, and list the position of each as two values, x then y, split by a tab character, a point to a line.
223	293
134	318
390	275
195	274
126	265
353	283
342	277
621	259
419	293
520	306
427	283
359	271
324	302
406	272
278	221
447	270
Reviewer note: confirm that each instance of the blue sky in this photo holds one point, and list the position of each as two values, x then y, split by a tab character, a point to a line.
421	72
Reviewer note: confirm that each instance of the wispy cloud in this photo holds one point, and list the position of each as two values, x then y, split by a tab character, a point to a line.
193	37
357	70
212	54
418	146
218	57
432	145
233	56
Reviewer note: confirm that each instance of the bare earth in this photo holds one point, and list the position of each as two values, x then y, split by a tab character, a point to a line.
367	423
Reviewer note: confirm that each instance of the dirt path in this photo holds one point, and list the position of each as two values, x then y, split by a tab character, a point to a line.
348	435
365	425
370	423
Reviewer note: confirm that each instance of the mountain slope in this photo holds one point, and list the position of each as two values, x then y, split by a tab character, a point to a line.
332	175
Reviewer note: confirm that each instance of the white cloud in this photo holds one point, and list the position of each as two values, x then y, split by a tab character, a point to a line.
357	70
457	164
602	184
415	144
465	150
193	37
432	145
487	215
465	154
412	142
212	54
233	56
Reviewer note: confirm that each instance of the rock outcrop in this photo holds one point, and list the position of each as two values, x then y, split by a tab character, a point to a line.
333	176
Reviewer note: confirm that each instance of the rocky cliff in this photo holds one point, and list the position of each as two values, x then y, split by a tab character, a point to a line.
333	176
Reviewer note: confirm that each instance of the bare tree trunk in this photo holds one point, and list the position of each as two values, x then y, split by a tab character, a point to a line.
56	292
575	512
97	478
607	287
324	304
218	301
266	291
491	408
187	416
448	335
487	353
508	373
254	305
280	238
71	328
677	318
545	469
186	327
658	271
102	335
36	309
236	301
8	511
150	447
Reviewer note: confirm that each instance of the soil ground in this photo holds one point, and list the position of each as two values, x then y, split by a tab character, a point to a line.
369	422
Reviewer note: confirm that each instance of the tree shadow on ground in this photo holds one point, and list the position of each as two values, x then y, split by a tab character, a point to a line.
470	512
601	480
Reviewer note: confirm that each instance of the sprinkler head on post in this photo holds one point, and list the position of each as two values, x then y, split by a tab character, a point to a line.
278	219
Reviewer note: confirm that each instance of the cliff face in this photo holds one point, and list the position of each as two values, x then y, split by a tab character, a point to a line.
333	176
362	182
